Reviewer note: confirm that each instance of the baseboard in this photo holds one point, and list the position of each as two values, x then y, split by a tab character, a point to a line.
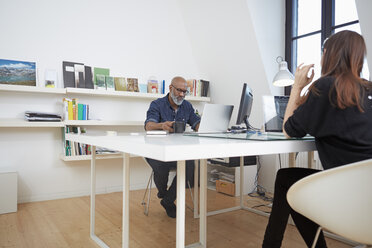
72	194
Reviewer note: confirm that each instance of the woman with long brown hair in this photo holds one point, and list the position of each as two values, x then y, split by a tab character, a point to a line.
337	111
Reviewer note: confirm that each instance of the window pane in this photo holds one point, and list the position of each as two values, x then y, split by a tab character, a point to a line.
355	27
345	11
309	16
309	52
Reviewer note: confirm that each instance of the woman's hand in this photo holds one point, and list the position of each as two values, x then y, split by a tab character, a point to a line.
301	78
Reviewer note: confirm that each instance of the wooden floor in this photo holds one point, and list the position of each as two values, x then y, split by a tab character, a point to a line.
65	223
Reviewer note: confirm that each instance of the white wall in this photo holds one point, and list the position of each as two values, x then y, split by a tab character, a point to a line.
236	42
215	40
225	48
268	18
140	38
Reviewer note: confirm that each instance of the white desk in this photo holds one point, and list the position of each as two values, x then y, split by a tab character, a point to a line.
179	148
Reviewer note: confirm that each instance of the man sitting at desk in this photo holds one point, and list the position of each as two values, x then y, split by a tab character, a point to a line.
161	116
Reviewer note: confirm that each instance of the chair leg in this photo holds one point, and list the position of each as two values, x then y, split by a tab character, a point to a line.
316	237
192	197
148	188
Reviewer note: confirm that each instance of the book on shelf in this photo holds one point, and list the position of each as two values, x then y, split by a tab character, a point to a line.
132	84
198	88
190	86
42	116
73	110
88	77
204	87
100	82
75	148
120	84
79	76
100	71
152	86
68	69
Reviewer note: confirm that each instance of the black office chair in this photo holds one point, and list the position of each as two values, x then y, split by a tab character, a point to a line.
146	204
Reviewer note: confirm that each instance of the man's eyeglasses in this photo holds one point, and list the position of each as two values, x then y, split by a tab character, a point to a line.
185	92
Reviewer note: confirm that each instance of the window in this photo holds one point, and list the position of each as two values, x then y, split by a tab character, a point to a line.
309	23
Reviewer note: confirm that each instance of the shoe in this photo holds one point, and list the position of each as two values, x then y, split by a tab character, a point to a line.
169	208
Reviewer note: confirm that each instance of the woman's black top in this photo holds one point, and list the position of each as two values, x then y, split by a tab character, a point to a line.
342	136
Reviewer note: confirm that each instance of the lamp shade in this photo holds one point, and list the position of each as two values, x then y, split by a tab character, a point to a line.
284	77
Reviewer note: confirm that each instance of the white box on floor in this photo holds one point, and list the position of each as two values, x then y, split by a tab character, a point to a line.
8	191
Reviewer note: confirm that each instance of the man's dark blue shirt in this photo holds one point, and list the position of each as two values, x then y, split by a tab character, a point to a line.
160	110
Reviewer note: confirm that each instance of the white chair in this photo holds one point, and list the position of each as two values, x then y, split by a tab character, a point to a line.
339	200
147	194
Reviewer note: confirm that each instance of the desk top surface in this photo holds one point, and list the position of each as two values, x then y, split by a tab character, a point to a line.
175	147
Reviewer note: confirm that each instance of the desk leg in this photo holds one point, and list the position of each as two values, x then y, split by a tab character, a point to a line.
92	191
310	159
196	189
241	181
292	160
93	200
125	235
203	203
180	221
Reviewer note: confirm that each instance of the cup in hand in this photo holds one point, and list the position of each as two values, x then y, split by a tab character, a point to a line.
179	126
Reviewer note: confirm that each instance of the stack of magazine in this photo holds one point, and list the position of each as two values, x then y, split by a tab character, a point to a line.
41	116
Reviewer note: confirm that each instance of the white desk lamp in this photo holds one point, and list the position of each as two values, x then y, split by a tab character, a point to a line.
284	77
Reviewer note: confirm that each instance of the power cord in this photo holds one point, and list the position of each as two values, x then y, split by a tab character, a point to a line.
259	191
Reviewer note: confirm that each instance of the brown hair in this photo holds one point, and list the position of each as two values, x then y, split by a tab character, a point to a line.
343	59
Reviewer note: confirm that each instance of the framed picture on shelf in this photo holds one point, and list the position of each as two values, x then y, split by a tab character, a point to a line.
17	72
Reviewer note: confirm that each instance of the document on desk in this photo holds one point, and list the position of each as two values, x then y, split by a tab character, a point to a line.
250	135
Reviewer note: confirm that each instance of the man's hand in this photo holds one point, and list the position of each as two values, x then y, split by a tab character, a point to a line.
168	126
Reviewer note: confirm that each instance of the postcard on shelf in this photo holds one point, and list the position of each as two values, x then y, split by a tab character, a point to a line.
132	84
152	86
50	78
142	88
120	84
110	83
100	71
17	72
100	82
68	69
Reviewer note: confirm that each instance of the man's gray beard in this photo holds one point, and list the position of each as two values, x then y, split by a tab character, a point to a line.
175	100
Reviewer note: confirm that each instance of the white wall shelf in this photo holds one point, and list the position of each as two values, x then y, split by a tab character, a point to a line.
102	123
23	123
91	92
31	89
127	94
89	157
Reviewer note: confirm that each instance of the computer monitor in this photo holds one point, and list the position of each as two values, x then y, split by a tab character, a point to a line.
274	110
245	107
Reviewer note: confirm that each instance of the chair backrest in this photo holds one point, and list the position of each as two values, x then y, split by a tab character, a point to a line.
338	199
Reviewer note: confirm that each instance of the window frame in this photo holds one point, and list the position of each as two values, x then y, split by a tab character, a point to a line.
327	28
